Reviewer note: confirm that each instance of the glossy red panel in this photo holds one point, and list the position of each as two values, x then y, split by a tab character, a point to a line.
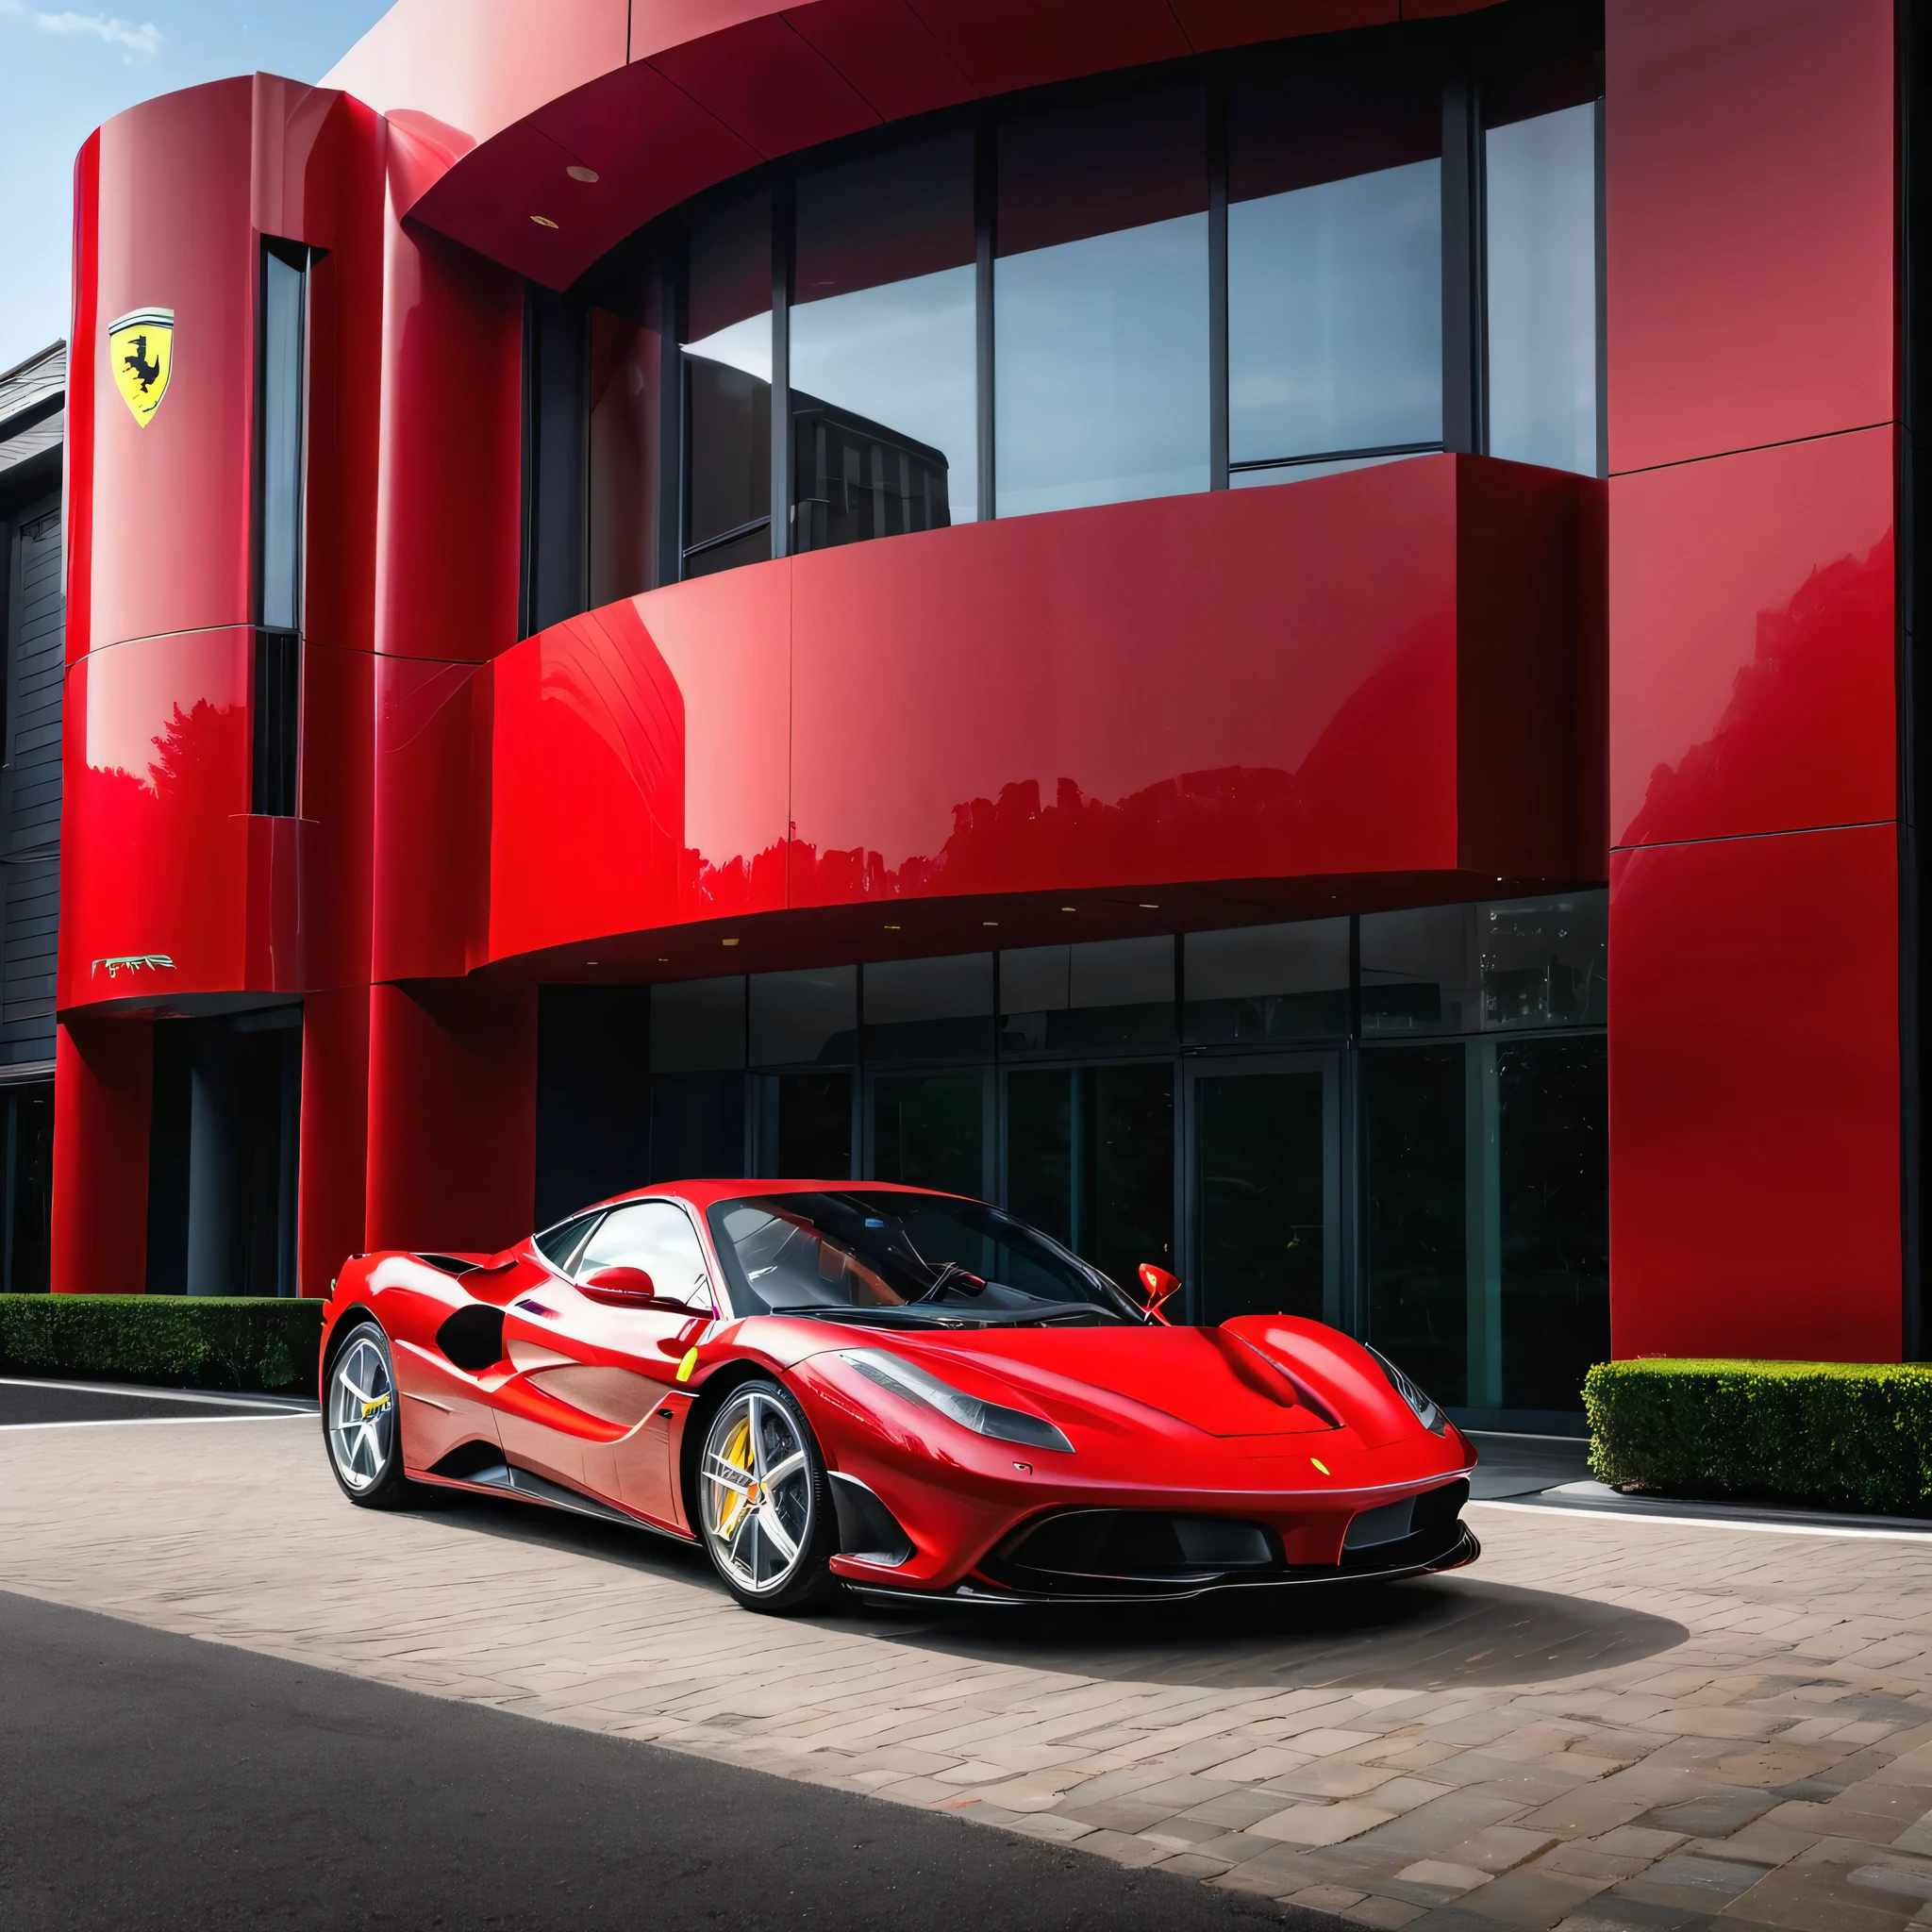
85	347
639	764
1001	45
319	179
886	52
432	808
463	70
170	514
1132	694
451	1115
1751	210
1210	23
449	538
335	1134
153	854
1754	1098
103	1103
1753	619
336	803
769	85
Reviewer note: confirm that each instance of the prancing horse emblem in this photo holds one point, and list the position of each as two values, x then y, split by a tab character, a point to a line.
140	351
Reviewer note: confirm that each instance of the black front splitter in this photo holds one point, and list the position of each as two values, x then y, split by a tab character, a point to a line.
978	1594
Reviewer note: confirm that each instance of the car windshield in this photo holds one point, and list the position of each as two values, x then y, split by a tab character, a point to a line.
904	1257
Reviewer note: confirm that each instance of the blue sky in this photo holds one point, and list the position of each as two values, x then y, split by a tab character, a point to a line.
64	72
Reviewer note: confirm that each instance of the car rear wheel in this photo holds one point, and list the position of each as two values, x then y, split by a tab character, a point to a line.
361	1419
764	1503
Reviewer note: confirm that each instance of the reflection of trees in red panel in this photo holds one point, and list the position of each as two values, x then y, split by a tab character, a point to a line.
1794	699
162	875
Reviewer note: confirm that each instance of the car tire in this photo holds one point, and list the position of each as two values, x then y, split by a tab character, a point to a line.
362	1420
764	1503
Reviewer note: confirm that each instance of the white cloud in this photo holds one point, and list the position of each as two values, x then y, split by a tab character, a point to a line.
109	29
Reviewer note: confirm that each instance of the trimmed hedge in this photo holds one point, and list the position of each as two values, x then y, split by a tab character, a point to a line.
205	1341
1830	1435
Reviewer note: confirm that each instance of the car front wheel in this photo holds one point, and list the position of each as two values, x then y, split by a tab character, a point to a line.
764	1503
362	1422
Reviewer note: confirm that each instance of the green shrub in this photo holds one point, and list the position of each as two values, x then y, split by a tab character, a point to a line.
208	1341
1834	1435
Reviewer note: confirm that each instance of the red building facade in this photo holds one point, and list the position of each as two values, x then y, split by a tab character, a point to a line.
1299	529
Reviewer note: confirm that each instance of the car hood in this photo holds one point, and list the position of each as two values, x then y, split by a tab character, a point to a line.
1207	1379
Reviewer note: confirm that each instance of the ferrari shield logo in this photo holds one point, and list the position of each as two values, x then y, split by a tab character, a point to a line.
141	349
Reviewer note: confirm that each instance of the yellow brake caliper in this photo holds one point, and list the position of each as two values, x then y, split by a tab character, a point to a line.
737	1453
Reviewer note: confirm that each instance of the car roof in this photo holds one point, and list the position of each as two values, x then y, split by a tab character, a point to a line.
703	1193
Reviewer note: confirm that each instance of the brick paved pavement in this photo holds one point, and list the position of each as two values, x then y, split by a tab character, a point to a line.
1606	1724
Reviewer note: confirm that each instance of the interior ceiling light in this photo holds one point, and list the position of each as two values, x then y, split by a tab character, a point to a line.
578	172
989	921
1149	906
730	942
1070	909
895	928
543	220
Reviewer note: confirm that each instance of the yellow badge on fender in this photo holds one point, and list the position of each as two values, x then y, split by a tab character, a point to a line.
140	351
686	1365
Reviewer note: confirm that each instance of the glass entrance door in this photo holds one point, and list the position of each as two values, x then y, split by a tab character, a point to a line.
1264	1184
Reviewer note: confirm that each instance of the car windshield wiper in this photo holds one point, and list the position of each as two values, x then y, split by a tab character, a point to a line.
936	1285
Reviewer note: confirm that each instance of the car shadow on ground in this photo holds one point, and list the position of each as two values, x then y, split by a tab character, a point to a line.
1428	1634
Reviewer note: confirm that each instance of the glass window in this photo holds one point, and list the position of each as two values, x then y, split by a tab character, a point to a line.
919	1255
1415	1114
796	1017
657	1238
1540	196
697	1025
1100	311
929	1008
929	1131
697	1126
728	396
1268	982
1545	961
625	380
807	1133
1260	1153
884	428
558	1244
1419	971
1090	1159
1553	1102
1108	996
1333	265
284	303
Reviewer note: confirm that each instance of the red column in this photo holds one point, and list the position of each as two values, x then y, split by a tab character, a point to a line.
103	1103
330	1195
1754	1037
451	1115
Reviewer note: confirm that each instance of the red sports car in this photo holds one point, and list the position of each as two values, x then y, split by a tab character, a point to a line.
889	1391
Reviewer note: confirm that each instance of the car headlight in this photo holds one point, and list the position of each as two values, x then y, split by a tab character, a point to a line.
1427	1412
901	1377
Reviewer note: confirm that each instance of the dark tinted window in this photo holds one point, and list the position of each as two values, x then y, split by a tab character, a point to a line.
1100	314
1334	264
885	425
727	367
558	1244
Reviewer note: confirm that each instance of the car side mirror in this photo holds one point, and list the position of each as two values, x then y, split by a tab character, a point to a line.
1160	1285
631	1287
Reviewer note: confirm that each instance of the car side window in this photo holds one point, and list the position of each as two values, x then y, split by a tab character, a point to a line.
657	1238
558	1244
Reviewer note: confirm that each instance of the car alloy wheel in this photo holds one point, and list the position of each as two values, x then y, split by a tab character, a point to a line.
361	1419
764	1500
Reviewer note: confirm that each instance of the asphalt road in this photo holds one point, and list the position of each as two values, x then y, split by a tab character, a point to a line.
153	1781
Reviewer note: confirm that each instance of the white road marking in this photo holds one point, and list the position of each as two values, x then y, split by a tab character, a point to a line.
161	1421
1622	1517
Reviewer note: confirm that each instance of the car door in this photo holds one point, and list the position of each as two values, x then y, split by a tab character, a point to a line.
604	1374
